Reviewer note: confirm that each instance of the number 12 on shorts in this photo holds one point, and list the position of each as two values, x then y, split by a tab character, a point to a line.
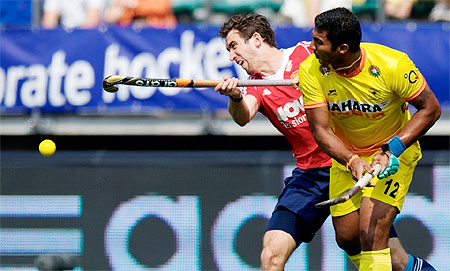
395	188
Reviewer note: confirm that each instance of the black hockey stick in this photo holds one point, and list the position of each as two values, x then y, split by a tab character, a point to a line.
110	83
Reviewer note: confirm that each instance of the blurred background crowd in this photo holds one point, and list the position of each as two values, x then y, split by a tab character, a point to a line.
168	13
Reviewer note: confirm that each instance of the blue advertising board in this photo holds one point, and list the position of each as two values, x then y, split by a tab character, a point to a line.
172	210
56	71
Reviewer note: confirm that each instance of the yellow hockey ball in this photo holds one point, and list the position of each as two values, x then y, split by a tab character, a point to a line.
47	148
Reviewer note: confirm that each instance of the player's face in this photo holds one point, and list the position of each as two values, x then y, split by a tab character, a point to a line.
241	51
322	48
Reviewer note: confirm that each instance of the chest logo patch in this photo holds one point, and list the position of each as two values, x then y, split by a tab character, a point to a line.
374	71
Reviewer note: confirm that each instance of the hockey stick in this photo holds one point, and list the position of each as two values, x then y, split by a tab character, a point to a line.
110	82
362	182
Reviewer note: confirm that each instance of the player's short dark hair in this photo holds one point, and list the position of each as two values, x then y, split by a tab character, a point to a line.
342	26
247	25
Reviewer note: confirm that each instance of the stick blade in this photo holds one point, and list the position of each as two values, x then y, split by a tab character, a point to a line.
330	202
360	184
110	81
110	89
114	78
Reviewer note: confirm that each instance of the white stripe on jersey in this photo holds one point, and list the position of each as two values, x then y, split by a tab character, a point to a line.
418	264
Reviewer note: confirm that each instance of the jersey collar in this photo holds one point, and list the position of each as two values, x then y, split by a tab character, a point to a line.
360	68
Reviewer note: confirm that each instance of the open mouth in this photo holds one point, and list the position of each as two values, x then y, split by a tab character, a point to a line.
240	62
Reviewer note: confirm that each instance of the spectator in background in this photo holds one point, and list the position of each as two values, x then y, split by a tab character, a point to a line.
155	13
72	13
399	9
303	12
441	11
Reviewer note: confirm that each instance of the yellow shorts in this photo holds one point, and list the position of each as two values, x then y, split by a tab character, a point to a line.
391	190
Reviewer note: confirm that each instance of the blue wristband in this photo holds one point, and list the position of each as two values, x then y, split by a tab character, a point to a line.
396	146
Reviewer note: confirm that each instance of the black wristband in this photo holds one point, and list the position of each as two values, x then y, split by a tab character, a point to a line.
385	148
236	100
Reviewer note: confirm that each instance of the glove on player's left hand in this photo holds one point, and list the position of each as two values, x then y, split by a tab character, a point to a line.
391	168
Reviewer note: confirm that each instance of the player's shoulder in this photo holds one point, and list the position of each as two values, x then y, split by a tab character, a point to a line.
304	45
382	52
300	51
310	64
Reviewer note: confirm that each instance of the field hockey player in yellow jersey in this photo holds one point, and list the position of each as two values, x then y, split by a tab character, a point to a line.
356	97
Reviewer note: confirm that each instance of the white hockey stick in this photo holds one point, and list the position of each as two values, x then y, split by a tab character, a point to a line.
362	182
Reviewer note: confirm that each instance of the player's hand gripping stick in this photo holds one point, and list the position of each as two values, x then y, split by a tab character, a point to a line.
360	184
393	148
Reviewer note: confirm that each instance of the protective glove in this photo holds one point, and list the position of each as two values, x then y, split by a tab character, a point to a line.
391	168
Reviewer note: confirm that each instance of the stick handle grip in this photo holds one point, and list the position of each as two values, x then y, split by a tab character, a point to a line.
242	83
360	184
364	180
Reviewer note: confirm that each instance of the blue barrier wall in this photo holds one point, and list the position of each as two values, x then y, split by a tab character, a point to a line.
183	210
58	71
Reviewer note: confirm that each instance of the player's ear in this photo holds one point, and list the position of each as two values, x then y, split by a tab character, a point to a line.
343	48
257	39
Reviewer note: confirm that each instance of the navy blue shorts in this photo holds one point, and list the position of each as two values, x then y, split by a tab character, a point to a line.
295	212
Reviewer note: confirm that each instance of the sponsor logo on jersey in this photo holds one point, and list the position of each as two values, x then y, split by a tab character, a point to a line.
266	92
292	113
352	107
374	71
412	76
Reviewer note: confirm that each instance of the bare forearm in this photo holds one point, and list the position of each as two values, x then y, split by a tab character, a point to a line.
92	18
113	14
428	113
420	123
50	19
242	108
332	145
239	112
326	139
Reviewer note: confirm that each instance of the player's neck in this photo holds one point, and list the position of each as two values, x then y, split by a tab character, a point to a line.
351	64
271	62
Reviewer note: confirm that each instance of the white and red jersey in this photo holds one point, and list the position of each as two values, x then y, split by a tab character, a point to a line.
283	106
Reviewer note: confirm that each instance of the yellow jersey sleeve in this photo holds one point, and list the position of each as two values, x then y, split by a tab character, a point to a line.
309	75
407	81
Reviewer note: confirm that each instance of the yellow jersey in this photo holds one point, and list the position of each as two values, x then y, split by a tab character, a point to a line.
368	106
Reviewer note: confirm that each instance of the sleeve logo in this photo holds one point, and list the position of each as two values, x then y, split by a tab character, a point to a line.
412	77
